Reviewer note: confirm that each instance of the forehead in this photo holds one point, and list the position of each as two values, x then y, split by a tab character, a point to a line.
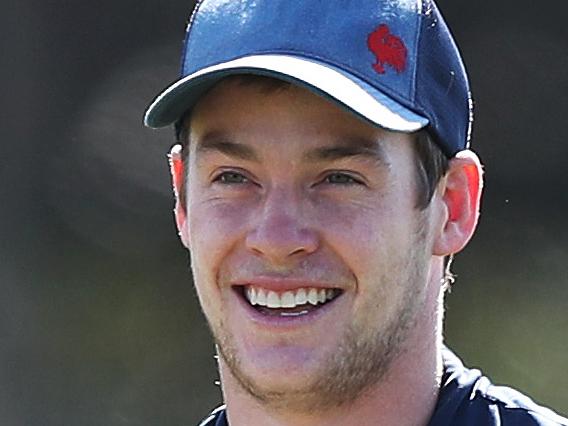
251	94
241	104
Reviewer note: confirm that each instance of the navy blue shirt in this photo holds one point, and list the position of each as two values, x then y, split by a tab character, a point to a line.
467	398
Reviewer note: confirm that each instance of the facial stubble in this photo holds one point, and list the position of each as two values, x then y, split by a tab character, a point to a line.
360	360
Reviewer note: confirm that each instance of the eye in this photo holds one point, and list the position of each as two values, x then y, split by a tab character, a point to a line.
231	178
341	178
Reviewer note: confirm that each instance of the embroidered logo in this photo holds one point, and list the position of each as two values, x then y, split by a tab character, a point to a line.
388	49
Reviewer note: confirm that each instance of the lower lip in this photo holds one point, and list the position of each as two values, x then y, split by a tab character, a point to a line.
285	321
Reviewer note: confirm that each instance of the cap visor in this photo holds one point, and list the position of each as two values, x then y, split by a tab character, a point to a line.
324	79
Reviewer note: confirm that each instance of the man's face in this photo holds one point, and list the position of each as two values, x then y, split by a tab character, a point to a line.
309	257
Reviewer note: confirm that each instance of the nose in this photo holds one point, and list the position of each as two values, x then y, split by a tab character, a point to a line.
281	233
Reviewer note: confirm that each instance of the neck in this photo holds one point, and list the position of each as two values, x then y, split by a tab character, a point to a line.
405	396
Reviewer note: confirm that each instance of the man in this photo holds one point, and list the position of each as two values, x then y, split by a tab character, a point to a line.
323	181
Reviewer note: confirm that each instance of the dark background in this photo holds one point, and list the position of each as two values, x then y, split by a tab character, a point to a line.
99	323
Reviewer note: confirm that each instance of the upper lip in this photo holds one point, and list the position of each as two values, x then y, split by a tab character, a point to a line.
280	284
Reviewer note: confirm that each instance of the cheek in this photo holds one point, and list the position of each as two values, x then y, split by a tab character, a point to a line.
364	228
215	227
374	240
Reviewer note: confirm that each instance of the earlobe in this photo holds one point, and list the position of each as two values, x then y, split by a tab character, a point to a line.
177	171
461	197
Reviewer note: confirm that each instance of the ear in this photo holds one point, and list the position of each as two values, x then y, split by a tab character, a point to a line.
460	192
177	171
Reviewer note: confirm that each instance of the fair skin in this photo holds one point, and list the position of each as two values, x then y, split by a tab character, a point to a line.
289	194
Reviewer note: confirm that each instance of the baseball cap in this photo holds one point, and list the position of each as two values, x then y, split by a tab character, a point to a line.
393	63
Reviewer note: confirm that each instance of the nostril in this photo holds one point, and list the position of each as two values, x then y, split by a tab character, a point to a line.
299	251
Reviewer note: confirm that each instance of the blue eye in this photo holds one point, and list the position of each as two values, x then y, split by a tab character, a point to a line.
231	178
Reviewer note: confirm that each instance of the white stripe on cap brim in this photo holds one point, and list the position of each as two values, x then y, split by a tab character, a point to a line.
352	92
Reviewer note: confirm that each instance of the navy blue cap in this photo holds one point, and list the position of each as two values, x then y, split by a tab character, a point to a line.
394	63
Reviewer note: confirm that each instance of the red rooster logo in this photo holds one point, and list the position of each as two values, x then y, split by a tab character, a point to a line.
388	48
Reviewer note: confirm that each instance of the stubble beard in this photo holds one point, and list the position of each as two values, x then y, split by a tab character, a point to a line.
360	361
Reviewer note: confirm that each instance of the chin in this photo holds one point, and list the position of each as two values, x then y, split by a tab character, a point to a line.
276	367
273	376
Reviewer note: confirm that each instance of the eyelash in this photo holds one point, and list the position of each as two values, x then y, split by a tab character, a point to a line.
233	177
351	180
223	177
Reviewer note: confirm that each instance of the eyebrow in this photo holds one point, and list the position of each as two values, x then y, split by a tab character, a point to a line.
345	148
219	142
348	148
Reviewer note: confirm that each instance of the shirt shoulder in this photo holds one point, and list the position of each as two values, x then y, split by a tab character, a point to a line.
216	418
467	398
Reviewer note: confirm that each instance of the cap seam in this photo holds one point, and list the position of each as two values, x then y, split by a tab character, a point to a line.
188	30
425	8
417	40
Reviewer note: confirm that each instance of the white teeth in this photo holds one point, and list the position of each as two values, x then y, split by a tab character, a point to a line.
313	296
251	291
273	300
261	297
288	299
301	297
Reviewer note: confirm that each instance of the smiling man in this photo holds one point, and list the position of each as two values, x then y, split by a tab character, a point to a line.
323	181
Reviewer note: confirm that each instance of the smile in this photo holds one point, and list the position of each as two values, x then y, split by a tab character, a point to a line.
295	302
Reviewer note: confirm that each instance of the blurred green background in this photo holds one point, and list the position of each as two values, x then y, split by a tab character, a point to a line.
99	323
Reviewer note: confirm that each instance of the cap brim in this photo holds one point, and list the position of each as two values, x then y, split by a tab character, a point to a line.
328	81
